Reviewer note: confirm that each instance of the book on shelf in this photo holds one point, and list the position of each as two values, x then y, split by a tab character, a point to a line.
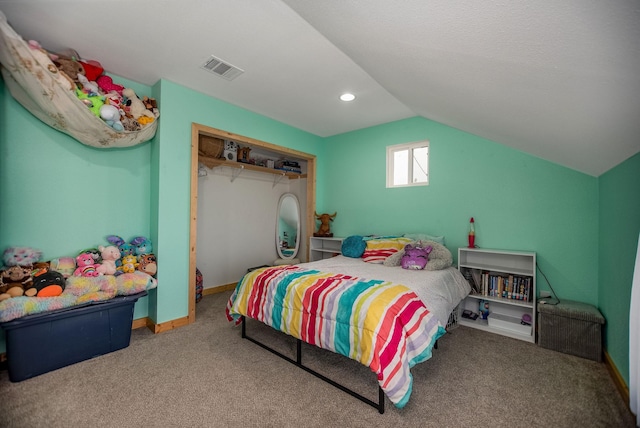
474	278
497	284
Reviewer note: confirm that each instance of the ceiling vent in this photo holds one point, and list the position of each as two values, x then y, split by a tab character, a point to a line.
221	68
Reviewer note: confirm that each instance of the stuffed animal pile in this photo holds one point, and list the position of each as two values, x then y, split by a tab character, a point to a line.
24	274
117	106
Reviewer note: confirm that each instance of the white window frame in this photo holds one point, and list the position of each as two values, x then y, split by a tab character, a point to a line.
391	167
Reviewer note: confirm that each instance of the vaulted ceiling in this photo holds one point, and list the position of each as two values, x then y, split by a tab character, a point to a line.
557	79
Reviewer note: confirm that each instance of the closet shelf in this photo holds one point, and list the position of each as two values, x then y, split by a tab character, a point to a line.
211	163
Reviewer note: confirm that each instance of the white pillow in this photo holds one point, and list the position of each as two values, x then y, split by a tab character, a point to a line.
424	237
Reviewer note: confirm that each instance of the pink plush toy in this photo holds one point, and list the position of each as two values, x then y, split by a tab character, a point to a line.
106	84
415	257
20	256
86	267
109	255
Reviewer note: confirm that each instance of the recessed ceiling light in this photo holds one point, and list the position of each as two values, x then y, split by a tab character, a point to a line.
347	97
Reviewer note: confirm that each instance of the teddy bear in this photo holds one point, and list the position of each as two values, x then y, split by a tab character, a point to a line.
86	266
135	105
70	68
110	255
14	281
129	264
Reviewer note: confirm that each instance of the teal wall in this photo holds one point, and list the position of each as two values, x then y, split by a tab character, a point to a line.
519	202
618	230
171	166
65	196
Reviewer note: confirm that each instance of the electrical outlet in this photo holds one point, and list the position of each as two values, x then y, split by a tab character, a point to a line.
544	293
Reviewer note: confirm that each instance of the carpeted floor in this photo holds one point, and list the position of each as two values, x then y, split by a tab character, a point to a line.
205	375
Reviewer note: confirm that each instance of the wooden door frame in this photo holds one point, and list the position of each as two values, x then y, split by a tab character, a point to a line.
196	131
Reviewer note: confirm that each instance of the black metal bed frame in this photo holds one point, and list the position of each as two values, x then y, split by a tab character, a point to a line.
298	362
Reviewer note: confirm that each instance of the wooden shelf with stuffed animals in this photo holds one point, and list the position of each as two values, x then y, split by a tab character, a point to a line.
74	95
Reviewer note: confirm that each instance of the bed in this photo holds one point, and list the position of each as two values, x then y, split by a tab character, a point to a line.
387	318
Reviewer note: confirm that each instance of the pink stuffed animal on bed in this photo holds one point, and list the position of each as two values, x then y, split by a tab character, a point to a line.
86	267
415	257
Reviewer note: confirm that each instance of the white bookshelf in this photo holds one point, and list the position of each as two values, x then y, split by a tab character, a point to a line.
506	309
324	247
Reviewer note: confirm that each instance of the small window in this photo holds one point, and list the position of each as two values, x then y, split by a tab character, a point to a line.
408	164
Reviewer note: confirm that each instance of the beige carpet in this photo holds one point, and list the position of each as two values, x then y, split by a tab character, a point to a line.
205	375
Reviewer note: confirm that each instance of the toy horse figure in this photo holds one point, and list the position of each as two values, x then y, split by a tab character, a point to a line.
325	226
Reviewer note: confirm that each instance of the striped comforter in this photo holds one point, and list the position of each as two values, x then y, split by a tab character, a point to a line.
382	325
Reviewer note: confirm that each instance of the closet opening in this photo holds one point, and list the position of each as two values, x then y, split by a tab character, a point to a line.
234	164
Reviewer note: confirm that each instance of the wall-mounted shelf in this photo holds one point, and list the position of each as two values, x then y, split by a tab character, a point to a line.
214	163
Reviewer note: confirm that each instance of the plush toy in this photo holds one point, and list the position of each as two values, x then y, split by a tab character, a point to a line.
69	67
125	248
86	266
110	255
135	105
147	263
95	253
13	281
106	84
20	256
142	246
483	307
325	224
88	87
111	116
65	265
129	264
46	284
114	99
92	69
415	257
151	105
94	102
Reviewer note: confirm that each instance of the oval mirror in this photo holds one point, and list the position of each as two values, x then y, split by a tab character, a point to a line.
288	227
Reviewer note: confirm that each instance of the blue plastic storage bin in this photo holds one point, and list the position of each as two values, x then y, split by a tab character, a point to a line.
40	343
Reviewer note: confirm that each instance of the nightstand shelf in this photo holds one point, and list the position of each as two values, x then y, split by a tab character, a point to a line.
324	247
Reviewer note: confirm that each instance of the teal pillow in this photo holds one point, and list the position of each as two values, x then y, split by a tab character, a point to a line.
353	246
